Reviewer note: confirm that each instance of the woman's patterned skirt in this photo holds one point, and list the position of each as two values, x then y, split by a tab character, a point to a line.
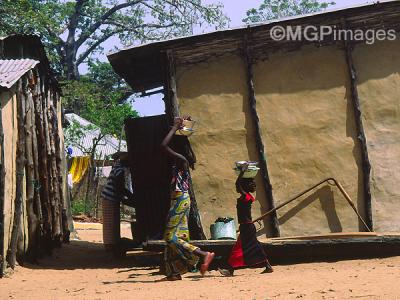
179	257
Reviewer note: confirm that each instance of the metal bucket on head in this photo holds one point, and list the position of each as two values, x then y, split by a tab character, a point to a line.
252	170
187	128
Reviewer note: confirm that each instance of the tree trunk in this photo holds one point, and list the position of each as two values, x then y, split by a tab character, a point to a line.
70	61
20	166
71	44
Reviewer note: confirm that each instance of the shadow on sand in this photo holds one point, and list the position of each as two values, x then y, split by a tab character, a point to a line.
87	255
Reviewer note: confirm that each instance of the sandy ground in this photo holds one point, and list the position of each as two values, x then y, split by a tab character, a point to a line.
83	270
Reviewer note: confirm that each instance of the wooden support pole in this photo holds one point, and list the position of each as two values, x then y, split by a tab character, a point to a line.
54	183
360	135
20	167
171	97
258	137
61	168
2	180
38	96
194	221
172	110
57	153
36	164
33	222
52	188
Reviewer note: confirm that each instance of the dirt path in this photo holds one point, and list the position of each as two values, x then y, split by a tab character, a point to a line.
82	270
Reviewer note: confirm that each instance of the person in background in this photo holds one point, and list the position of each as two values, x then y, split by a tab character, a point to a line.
179	255
115	192
116	188
247	252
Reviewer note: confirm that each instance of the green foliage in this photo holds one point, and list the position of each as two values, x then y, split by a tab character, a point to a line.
102	74
99	106
99	98
75	132
45	18
275	9
79	207
101	82
75	30
109	117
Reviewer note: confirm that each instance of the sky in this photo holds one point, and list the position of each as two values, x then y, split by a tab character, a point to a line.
236	11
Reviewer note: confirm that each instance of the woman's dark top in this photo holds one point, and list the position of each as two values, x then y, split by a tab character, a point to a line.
243	207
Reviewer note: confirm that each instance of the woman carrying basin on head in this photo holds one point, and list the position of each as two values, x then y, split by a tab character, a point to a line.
180	256
247	252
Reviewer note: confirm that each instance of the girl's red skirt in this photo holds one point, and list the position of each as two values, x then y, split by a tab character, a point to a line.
248	252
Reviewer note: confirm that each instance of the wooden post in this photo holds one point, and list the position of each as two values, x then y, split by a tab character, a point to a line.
89	175
43	165
258	137
35	151
54	184
2	175
360	135
33	225
171	97
67	221
20	167
172	110
194	222
57	163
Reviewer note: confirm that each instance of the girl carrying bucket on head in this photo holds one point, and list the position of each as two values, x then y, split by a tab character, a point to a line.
180	256
247	252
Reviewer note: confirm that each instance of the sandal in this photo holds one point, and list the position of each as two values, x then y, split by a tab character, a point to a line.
268	269
170	278
225	272
207	260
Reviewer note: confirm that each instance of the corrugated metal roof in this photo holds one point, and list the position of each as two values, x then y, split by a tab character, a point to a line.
107	146
23	46
12	69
